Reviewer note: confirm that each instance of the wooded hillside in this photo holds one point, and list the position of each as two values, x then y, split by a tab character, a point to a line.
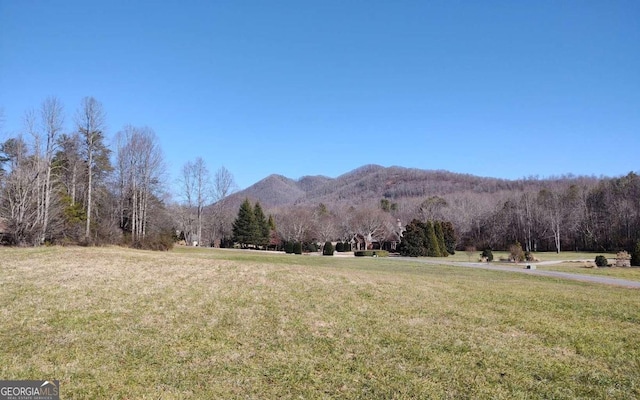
561	213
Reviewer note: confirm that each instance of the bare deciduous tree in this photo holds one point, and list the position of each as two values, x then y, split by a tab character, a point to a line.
372	224
91	123
294	225
196	186
20	205
71	165
324	224
52	119
222	217
140	167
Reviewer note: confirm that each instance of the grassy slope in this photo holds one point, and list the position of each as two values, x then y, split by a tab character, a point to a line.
115	323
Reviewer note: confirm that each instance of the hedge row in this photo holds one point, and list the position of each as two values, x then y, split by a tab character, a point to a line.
371	253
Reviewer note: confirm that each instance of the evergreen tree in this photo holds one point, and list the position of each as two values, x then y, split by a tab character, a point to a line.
261	227
437	227
288	247
297	248
433	248
272	223
244	225
449	237
327	250
635	255
413	240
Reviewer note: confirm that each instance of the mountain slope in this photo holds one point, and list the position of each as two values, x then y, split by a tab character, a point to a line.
370	182
273	190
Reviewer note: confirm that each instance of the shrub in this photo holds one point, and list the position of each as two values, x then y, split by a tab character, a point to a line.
515	252
488	254
288	247
226	243
328	249
159	242
371	253
623	259
635	255
297	248
601	261
310	247
339	247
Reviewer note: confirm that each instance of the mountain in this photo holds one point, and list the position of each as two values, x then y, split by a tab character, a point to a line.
273	190
370	182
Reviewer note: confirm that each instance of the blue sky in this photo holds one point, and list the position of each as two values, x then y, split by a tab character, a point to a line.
506	89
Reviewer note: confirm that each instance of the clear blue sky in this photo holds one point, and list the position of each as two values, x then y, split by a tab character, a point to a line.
492	88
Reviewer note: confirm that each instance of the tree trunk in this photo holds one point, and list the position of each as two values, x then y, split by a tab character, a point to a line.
89	192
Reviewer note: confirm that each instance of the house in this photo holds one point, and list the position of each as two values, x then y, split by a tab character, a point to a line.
393	238
390	241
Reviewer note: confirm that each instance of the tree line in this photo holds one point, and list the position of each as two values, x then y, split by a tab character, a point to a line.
62	185
70	187
563	214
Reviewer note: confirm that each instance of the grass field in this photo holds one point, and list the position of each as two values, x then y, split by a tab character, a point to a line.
202	324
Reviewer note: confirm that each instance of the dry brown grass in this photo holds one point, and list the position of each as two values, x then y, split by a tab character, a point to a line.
119	323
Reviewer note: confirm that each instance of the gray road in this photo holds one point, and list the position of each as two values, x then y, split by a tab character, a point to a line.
522	270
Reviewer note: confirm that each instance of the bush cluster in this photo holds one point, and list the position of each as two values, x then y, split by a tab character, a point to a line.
160	242
431	239
288	247
310	247
371	253
297	248
343	247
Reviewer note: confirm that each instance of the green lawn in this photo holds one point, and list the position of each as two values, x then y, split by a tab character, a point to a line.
203	324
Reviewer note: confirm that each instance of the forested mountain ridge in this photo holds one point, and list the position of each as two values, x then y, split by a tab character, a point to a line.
374	182
566	212
273	190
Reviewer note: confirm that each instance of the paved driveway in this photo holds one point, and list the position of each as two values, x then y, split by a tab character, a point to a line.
553	274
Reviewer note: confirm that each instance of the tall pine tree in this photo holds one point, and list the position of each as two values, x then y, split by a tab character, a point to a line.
433	249
449	237
437	227
244	225
261	227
